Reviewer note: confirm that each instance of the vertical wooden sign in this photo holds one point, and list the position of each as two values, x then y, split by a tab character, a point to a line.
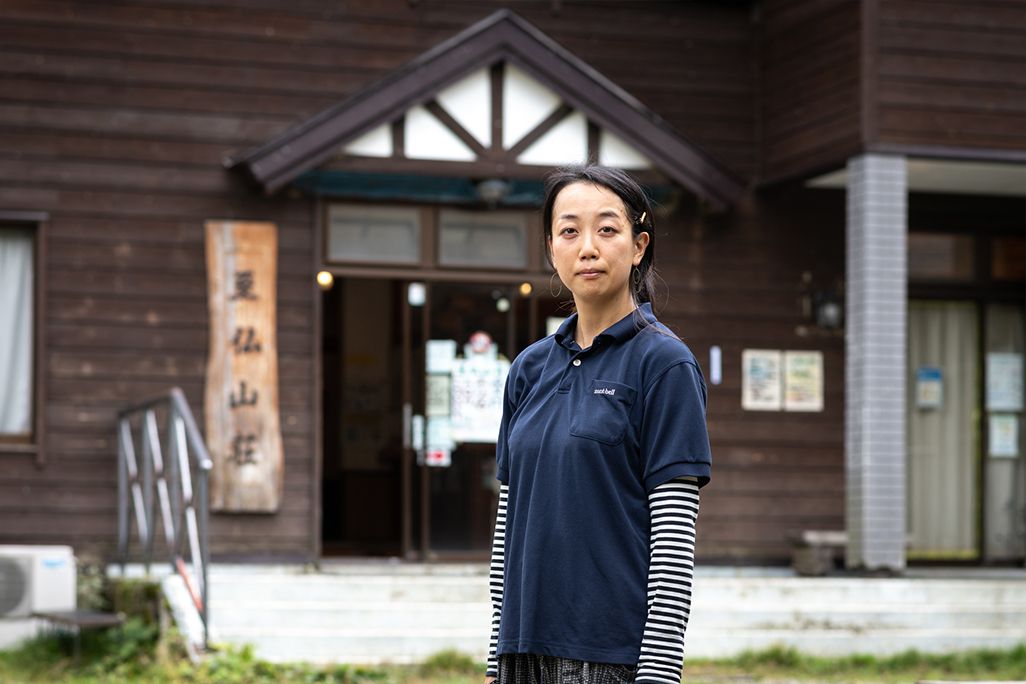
242	420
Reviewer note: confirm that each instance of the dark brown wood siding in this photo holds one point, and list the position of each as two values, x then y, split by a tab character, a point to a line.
115	117
738	284
810	86
951	74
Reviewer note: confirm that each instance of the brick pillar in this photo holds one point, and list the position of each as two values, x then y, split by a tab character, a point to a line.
875	352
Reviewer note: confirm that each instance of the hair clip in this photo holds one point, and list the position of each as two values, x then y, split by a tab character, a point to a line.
643	215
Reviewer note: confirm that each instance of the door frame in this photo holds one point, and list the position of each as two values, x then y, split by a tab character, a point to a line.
537	273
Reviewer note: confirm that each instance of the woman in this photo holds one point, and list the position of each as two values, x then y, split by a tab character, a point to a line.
600	454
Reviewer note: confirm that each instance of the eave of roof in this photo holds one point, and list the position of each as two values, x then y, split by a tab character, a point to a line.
501	36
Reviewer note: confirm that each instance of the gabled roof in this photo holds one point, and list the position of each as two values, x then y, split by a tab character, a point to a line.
501	37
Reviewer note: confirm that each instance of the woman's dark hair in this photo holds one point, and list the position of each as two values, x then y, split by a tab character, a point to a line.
635	202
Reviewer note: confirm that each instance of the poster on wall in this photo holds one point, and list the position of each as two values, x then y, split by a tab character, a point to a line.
1004	381
929	387
761	380
477	393
241	398
440	355
1003	435
803	381
439	391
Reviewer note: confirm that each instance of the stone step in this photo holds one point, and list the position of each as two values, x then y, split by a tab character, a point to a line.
407	615
402	613
889	592
348	589
855	618
883	593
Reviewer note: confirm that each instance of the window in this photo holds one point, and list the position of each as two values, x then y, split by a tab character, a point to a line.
478	238
1008	259
17	333
377	235
939	256
446	239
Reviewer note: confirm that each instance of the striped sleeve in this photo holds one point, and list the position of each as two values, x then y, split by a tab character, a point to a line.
673	507
495	578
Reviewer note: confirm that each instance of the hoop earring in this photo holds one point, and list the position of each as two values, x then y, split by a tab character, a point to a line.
636	278
555	294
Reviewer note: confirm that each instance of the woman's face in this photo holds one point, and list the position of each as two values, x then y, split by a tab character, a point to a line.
592	244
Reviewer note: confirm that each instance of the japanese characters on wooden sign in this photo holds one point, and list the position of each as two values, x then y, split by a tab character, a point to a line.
242	421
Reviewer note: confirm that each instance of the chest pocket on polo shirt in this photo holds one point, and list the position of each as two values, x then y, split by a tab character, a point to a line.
603	413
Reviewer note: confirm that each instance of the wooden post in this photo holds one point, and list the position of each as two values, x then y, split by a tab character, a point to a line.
242	416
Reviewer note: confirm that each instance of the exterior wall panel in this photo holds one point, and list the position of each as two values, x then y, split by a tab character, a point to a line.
738	284
810	86
951	74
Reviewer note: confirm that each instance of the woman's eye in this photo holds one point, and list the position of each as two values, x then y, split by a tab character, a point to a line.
608	229
567	231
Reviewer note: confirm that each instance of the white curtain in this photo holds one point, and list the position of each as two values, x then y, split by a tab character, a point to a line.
943	457
16	307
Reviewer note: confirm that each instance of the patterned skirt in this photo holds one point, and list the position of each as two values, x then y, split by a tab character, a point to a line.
528	668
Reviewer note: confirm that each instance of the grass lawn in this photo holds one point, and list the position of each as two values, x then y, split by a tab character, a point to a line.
136	653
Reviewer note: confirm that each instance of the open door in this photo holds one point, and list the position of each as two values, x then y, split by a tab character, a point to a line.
413	379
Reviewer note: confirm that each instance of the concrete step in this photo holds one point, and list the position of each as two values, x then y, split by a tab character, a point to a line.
347	589
369	616
705	615
372	613
889	592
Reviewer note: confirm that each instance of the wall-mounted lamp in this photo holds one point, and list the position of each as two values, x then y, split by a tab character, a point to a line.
828	309
325	280
824	306
491	191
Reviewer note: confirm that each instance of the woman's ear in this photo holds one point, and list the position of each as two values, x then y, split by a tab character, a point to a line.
640	245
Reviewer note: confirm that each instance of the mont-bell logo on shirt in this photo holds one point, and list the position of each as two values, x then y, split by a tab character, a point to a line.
605	390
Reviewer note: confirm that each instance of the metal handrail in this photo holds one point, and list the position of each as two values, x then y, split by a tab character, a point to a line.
180	485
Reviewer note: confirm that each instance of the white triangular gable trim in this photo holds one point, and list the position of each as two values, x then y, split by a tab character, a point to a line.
615	151
376	142
566	143
525	104
427	138
469	101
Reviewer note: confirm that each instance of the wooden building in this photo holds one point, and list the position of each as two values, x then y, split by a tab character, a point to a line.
810	159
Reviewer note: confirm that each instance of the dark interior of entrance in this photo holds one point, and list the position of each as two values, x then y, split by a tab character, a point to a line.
362	421
378	394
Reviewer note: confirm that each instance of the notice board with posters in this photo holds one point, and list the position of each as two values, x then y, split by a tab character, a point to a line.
242	416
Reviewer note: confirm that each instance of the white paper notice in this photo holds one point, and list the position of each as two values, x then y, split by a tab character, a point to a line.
1004	382
477	392
803	380
439	389
439	433
440	355
761	380
929	387
1004	435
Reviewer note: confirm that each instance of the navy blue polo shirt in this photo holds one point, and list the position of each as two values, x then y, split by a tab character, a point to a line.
585	436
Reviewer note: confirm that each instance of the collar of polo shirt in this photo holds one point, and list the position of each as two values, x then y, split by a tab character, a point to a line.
621	331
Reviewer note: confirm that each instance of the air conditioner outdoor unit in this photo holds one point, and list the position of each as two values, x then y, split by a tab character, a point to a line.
36	578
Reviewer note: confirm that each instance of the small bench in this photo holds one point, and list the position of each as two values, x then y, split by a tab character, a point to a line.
79	620
814	552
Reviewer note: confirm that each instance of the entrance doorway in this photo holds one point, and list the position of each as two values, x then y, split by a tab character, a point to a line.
966	473
412	380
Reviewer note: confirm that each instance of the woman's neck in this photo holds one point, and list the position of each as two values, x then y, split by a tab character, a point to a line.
594	317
